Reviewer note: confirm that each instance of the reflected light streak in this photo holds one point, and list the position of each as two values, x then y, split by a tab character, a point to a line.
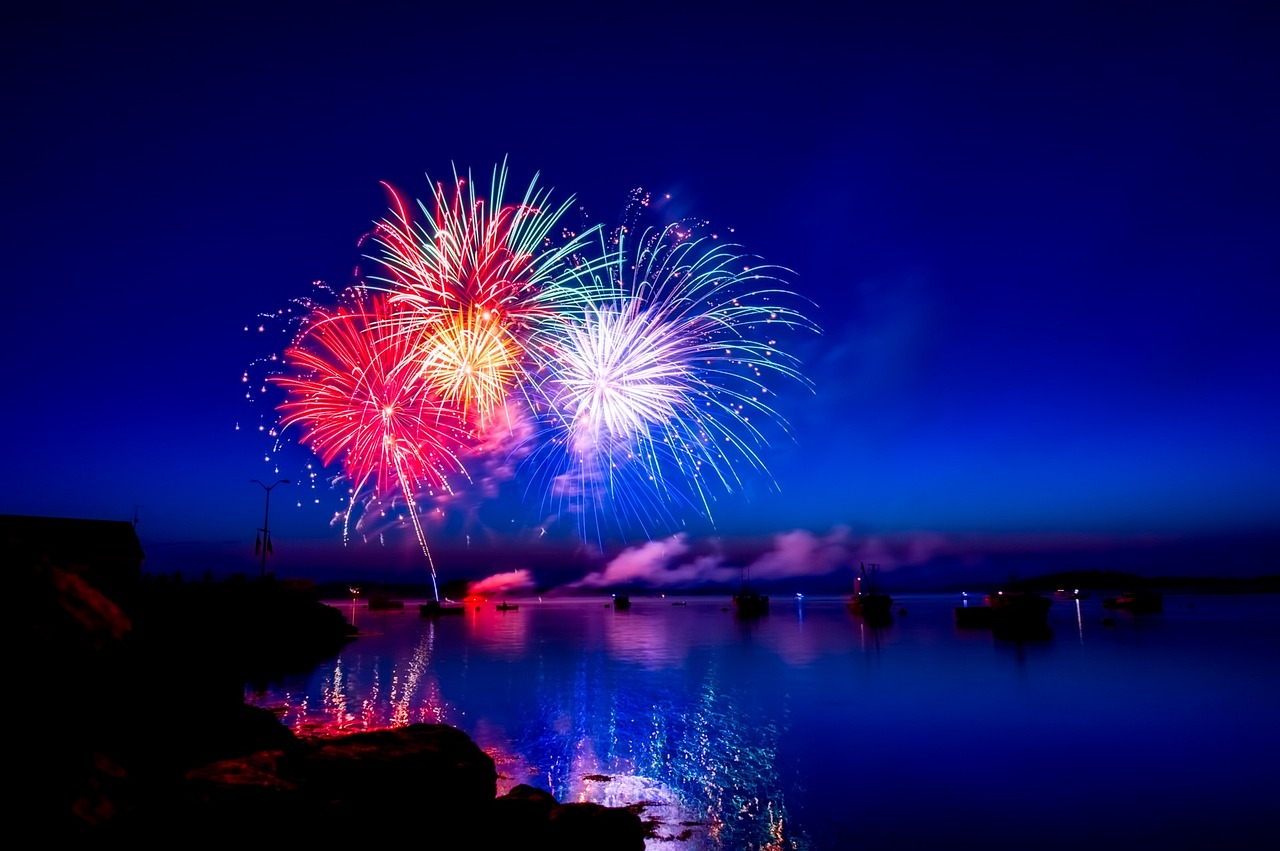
411	697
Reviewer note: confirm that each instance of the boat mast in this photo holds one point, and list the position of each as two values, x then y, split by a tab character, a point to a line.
871	580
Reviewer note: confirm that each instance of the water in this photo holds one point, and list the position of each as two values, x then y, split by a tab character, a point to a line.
807	729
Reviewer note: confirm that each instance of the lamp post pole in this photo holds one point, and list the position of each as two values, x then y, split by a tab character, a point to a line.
264	544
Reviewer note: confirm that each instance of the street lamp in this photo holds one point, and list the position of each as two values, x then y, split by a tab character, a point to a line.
263	543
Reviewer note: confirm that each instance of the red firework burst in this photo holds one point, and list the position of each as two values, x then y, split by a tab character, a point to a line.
354	387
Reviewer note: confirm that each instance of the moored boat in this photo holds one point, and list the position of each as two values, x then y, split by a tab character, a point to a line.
434	608
750	603
1009	614
870	604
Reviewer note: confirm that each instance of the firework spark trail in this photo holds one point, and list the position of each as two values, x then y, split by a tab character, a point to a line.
354	389
473	280
650	396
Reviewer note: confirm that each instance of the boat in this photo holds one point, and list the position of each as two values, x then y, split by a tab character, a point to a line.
1075	594
1020	608
434	608
621	602
748	602
1011	614
1136	601
504	606
870	604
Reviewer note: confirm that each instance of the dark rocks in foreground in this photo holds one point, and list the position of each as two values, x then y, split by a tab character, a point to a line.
137	732
424	781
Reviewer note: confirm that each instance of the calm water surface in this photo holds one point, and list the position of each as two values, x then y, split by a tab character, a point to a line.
807	729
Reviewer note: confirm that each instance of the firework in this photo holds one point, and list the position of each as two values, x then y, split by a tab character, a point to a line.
625	375
354	389
657	399
472	280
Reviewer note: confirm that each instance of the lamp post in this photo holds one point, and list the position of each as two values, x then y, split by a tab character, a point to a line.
263	544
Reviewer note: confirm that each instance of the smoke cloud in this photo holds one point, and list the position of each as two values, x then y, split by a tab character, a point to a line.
503	583
679	563
801	553
674	563
659	564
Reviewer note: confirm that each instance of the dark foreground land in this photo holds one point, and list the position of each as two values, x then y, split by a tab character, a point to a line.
135	729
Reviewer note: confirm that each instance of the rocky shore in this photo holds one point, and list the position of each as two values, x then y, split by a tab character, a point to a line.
137	730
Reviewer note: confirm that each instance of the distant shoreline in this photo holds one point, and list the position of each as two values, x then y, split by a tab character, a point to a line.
1091	581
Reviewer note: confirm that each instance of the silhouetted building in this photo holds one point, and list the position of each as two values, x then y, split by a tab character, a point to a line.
105	553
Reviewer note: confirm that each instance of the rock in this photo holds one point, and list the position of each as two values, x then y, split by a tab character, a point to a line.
542	822
526	810
203	767
358	784
423	781
590	827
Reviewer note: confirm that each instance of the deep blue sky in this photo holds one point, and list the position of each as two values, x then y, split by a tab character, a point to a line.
1042	238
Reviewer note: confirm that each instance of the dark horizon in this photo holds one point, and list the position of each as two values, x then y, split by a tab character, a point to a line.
963	564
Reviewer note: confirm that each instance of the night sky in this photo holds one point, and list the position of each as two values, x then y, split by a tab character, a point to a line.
1041	242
